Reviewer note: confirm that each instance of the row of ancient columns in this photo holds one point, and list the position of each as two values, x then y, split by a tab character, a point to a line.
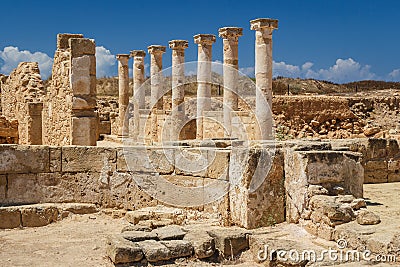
263	72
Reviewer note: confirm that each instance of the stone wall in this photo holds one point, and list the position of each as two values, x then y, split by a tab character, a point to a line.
101	175
8	131
21	99
381	158
69	106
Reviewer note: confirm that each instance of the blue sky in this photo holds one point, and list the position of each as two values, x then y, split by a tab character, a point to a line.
334	40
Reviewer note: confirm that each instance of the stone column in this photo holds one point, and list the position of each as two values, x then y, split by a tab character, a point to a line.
178	90
263	71
156	52
204	58
230	37
138	77
123	88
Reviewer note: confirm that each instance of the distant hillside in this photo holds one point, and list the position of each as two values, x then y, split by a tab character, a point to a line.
280	86
372	85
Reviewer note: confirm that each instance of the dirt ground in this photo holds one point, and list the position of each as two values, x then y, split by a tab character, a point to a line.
79	240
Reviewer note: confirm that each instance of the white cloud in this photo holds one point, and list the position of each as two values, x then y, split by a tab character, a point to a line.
105	62
394	75
248	71
11	56
286	70
344	70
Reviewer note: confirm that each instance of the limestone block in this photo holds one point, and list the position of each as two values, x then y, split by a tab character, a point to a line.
393	165
81	46
230	241
333	169
92	68
24	159
105	127
393	177
62	39
36	216
203	244
376	176
146	160
191	161
170	232
218	164
84	159
55	159
84	131
79	208
10	217
154	251
373	165
257	198
135	236
366	217
376	149
120	250
80	75
178	248
83	103
3	188
392	148
154	213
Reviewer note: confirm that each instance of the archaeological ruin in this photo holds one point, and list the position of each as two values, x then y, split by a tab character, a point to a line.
205	176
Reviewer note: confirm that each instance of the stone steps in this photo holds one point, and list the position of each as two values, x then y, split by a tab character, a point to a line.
173	241
42	214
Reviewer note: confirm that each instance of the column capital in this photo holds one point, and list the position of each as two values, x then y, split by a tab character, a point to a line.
155	49
230	32
178	44
258	24
138	53
122	57
204	39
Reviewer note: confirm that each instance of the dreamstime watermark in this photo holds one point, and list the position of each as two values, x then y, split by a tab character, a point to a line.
151	123
338	255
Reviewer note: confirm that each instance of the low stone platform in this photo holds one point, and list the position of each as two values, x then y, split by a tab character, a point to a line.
36	215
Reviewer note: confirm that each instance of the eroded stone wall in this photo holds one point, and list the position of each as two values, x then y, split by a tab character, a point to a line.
21	99
69	106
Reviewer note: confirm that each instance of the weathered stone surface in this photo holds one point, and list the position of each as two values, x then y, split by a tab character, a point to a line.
81	46
154	213
137	227
34	216
10	218
120	250
80	208
230	241
178	248
81	159
365	217
257	198
147	160
21	99
203	244
136	236
170	232
84	130
358	203
154	251
62	39
13	159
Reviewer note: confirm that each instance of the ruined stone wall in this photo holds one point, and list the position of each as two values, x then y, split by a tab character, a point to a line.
381	158
21	99
8	131
71	97
324	188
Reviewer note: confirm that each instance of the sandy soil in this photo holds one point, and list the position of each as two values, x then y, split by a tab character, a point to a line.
80	239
